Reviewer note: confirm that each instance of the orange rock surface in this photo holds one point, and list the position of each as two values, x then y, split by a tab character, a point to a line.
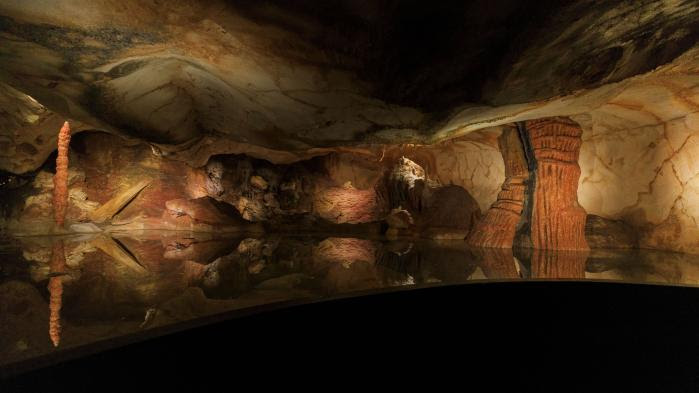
58	262
60	180
497	229
558	221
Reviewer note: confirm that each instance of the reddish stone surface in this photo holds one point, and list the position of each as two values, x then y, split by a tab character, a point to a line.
558	263
497	263
58	263
497	228
347	205
60	179
558	221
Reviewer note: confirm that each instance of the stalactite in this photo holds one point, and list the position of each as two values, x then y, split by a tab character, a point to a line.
58	263
60	179
558	221
497	229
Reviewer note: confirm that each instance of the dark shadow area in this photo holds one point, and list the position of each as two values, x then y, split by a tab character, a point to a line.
533	334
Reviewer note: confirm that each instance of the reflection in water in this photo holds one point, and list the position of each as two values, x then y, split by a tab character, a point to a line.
498	263
58	264
111	285
558	264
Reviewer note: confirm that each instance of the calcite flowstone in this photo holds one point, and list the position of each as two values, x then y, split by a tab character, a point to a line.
497	229
538	202
558	221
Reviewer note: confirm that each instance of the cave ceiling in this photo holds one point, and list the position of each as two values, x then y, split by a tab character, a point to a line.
284	80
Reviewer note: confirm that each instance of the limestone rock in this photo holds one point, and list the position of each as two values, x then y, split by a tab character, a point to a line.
399	219
497	229
258	182
605	233
109	209
86	227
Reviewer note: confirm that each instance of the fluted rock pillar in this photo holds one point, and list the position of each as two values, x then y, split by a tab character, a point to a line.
558	221
538	204
497	228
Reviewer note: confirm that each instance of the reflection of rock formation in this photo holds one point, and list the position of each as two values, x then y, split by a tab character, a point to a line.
497	263
60	180
558	221
497	229
558	263
58	263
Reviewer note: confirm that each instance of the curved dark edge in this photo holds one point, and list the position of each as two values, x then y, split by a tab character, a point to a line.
74	353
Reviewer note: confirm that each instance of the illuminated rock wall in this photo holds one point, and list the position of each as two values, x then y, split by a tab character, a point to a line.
644	172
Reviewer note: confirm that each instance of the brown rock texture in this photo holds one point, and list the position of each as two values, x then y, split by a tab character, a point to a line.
558	221
347	205
497	229
58	263
558	263
602	232
497	263
60	180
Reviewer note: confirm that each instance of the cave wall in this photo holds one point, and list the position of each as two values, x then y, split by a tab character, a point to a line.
121	184
645	175
639	174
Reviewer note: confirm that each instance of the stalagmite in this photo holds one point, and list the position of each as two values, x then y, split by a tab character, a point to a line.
497	229
60	179
58	262
558	221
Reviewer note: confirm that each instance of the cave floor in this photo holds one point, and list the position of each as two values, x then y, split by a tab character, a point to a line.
116	286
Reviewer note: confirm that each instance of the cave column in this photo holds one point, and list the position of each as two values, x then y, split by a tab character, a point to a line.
558	221
538	204
497	229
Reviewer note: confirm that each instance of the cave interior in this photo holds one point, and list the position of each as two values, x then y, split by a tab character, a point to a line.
160	161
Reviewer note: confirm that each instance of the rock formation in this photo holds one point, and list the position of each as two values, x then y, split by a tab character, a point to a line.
557	221
498	227
556	264
296	87
58	262
60	179
538	205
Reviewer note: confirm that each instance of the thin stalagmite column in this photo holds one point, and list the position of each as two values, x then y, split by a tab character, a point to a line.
58	263
60	179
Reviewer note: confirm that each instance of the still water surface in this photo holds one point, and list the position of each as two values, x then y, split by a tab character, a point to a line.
58	293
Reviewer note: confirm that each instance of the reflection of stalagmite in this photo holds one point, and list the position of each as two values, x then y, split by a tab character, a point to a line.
558	221
496	263
60	179
558	263
497	228
58	262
